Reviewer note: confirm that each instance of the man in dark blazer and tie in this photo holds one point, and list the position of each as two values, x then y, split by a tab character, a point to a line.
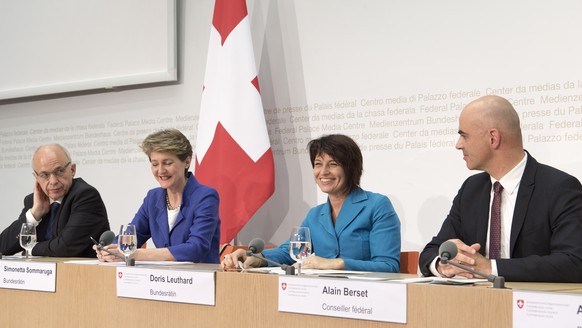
65	210
540	208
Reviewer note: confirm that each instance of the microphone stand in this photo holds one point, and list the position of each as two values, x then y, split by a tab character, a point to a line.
128	261
289	269
498	281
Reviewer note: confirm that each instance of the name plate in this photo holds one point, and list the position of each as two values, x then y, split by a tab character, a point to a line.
543	309
194	287
377	301
28	275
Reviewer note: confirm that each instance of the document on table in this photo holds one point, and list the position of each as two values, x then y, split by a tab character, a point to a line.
441	281
278	270
359	275
137	263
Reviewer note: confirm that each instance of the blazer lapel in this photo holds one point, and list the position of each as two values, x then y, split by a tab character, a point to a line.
524	193
179	219
325	219
191	184
481	213
353	205
64	211
161	216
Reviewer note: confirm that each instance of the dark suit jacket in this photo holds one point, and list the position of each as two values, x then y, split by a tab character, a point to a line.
546	232
82	214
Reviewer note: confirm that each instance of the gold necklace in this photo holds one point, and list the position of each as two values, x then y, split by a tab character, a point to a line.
170	205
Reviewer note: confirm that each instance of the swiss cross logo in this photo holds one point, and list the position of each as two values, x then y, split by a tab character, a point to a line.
284	285
520	304
120	275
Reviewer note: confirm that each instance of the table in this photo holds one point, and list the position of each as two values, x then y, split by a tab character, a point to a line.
86	297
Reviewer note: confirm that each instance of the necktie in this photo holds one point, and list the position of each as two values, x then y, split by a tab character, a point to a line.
53	217
495	225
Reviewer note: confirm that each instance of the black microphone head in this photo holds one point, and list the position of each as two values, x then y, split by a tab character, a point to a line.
448	251
256	245
106	238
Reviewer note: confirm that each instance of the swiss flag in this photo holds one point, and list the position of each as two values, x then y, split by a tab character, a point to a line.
233	153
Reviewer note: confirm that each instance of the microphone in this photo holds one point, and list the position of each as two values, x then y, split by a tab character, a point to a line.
257	245
106	239
448	250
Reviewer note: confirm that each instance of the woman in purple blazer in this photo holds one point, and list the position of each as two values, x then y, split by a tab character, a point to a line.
181	216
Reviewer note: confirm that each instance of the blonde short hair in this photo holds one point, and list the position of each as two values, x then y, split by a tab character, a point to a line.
169	141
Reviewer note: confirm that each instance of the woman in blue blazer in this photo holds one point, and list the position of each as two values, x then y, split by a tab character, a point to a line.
354	230
181	216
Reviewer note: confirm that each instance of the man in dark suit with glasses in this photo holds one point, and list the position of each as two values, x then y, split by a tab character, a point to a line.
65	210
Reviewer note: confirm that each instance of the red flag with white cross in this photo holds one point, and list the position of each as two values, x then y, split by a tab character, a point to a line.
233	152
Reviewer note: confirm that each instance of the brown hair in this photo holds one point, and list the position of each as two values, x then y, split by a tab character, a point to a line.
344	151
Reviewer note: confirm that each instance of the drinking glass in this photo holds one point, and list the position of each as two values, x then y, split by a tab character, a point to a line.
127	240
300	245
27	238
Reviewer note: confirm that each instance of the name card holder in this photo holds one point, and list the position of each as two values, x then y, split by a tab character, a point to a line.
368	300
28	275
546	309
193	287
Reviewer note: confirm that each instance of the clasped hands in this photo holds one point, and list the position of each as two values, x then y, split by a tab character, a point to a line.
468	256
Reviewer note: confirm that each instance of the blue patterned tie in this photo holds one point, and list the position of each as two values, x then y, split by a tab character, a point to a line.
53	217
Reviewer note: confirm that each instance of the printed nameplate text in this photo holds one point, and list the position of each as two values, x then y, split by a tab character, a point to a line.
378	301
545	309
194	287
28	275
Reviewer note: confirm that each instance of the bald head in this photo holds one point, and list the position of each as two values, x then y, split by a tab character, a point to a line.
50	149
496	112
490	136
53	170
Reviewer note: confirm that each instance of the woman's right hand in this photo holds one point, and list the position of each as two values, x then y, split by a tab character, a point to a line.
103	256
231	261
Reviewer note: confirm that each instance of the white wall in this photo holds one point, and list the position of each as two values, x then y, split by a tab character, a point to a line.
354	67
55	46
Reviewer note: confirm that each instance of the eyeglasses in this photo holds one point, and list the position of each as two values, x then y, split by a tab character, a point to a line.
58	172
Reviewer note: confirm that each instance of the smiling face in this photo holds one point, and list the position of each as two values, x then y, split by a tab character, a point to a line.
169	170
53	171
345	154
329	175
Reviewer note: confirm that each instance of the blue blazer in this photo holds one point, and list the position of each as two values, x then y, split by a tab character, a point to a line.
366	234
195	236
